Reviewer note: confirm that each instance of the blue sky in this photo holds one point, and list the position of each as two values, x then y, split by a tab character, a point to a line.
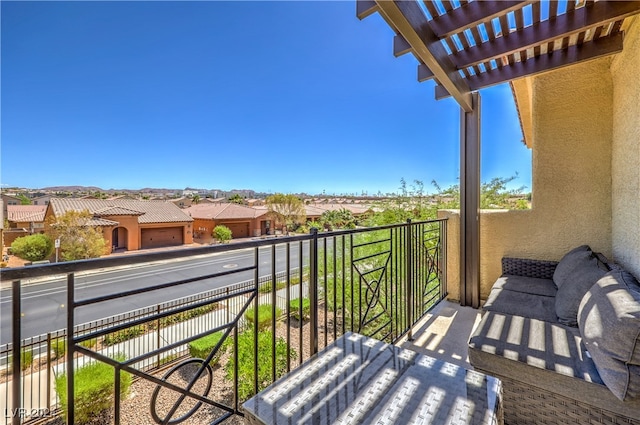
270	96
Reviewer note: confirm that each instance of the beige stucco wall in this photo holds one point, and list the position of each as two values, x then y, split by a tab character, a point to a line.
572	138
625	69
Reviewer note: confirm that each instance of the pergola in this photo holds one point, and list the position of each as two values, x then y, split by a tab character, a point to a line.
469	45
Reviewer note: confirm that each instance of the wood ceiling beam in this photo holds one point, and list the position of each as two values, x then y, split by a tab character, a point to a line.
365	8
409	21
472	14
400	46
424	73
565	25
603	46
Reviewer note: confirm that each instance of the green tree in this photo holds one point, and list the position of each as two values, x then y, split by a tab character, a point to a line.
78	238
222	233
338	219
24	200
286	209
236	199
33	247
195	199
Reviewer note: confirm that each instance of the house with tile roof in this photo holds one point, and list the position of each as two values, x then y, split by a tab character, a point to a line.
26	216
130	224
23	220
314	210
243	221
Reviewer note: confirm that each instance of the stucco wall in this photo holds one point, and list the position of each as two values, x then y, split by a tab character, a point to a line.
625	69
131	224
572	136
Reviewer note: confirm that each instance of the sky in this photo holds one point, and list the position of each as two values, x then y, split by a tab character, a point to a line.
274	96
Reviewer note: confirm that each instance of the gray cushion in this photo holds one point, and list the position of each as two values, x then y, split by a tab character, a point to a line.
585	273
609	321
543	355
622	379
609	316
521	304
568	263
528	285
534	342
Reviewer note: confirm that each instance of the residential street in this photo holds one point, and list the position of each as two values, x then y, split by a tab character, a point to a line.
44	302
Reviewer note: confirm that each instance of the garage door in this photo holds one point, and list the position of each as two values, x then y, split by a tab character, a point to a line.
239	230
168	236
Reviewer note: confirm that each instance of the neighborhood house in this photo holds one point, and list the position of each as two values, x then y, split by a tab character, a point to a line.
130	224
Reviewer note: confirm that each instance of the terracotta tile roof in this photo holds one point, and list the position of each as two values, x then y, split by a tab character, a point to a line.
318	209
225	211
23	213
117	211
147	211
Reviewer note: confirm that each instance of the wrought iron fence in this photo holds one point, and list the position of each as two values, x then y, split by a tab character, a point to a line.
203	355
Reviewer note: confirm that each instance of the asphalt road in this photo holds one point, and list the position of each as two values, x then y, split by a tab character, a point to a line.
43	303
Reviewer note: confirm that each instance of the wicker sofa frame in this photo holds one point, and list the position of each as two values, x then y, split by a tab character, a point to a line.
527	403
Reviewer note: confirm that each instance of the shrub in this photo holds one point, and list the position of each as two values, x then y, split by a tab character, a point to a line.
186	315
59	347
93	390
90	343
246	362
266	287
222	233
123	335
26	359
33	247
264	316
202	347
294	308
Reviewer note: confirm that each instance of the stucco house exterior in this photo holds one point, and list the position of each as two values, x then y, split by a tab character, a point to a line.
130	224
242	220
582	124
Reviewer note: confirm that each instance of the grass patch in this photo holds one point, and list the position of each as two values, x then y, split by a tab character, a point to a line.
59	347
93	390
90	343
246	362
264	316
202	347
294	308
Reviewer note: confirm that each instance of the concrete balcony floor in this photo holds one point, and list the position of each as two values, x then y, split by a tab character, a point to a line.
444	332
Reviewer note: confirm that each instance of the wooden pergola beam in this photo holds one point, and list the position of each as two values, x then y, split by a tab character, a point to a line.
409	21
424	73
365	8
558	59
472	14
603	46
565	25
400	46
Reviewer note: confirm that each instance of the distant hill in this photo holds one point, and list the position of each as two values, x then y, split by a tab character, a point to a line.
72	189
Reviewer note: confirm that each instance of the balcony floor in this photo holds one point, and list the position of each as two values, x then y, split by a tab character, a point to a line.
444	332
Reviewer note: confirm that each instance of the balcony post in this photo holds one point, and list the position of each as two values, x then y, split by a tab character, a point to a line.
70	348
409	280
470	205
17	355
313	291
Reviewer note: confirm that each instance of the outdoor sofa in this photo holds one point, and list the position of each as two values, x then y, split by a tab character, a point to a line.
564	339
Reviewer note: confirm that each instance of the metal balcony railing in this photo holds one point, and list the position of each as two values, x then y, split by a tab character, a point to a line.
211	351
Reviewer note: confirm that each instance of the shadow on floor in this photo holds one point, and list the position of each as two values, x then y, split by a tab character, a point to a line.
444	333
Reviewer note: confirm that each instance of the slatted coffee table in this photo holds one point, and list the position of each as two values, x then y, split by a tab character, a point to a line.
360	380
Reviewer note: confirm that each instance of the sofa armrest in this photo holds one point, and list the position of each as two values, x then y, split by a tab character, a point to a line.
529	268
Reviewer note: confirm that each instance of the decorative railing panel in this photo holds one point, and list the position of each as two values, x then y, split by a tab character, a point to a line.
202	355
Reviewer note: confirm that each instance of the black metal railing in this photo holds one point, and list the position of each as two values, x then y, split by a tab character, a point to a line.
209	352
